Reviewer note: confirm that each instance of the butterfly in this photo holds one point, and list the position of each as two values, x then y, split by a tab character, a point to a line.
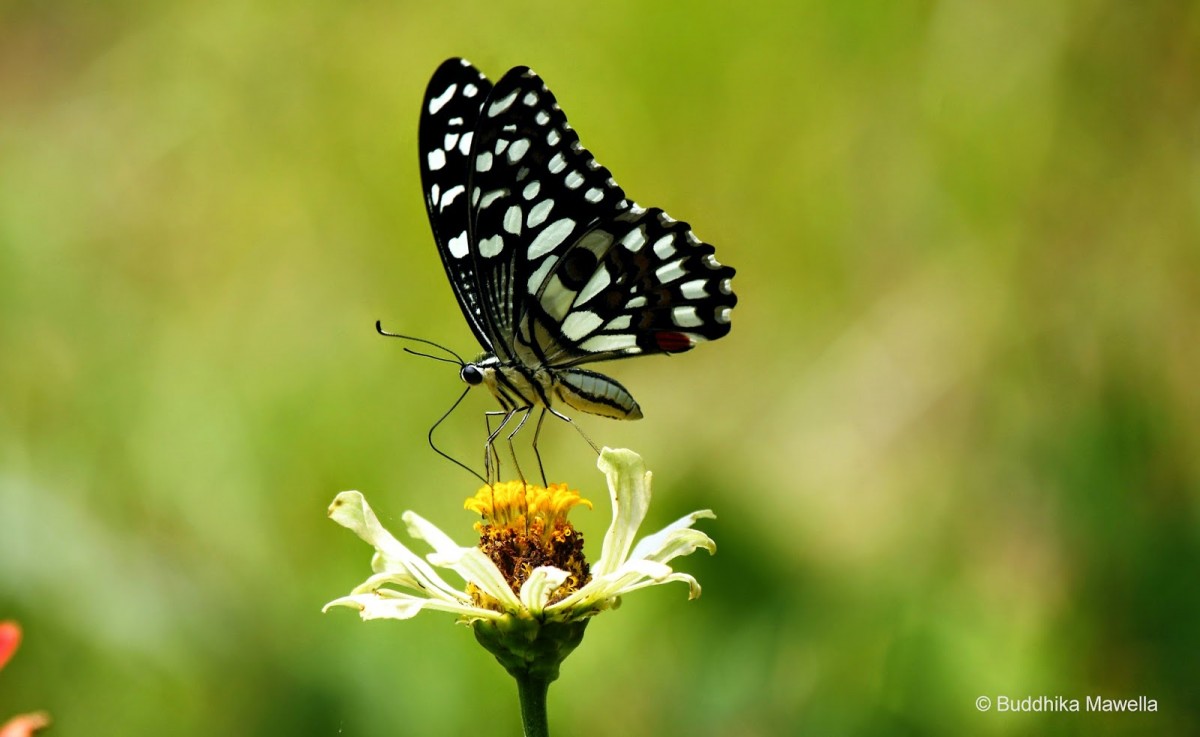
552	265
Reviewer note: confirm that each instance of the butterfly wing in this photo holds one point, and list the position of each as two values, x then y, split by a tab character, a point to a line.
551	263
449	113
637	283
573	271
534	191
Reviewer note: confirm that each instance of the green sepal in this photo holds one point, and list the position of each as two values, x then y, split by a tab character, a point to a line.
528	648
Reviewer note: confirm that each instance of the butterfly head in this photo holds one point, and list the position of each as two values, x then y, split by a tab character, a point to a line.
471	374
481	370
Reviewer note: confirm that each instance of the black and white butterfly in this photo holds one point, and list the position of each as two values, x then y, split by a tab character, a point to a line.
553	266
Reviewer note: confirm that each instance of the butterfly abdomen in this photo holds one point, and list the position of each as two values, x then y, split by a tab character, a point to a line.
598	394
517	387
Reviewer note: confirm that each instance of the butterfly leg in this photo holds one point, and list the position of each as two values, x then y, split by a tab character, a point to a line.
512	450
537	430
491	458
575	425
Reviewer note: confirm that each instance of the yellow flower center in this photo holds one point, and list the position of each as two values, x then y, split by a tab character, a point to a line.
525	526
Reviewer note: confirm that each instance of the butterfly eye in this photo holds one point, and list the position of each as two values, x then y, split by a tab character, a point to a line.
471	374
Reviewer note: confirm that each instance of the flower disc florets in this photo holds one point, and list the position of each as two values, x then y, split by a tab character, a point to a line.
525	526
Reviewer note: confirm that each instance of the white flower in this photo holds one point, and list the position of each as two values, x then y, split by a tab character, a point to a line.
404	583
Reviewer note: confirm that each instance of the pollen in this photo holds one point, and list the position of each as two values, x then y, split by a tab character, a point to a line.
525	526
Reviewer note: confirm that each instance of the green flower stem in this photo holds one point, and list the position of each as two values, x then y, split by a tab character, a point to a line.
531	651
532	691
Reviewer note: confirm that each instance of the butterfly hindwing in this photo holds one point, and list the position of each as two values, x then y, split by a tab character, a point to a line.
637	283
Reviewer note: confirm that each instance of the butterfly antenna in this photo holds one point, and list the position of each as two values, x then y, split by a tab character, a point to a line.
447	456
457	358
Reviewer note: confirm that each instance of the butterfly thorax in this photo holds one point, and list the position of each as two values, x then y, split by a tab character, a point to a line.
518	387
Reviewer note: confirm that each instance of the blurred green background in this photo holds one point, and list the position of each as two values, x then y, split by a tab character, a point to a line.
953	441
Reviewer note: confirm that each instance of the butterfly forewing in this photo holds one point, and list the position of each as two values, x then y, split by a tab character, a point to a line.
534	192
449	115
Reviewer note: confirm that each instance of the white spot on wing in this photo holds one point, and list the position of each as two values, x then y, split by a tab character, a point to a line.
580	324
664	247
553	137
440	101
620	322
539	275
437	159
517	150
499	106
694	289
450	141
435	194
458	245
557	163
634	239
470	90
686	317
604	343
491	197
556	298
539	212
491	247
464	146
531	189
530	98
483	162
451	194
711	262
723	315
501	144
593	195
574	179
598	282
668	273
512	220
635	303
542	117
550	238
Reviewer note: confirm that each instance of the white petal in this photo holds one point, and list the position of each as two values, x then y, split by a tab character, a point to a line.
602	588
675	539
693	584
629	487
542	582
470	563
370	606
395	605
379	580
350	510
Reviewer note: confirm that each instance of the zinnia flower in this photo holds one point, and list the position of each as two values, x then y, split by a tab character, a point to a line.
529	592
530	562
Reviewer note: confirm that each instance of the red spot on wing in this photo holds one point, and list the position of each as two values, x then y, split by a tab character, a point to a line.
673	342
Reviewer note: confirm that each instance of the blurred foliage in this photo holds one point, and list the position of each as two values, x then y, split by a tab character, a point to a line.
952	442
